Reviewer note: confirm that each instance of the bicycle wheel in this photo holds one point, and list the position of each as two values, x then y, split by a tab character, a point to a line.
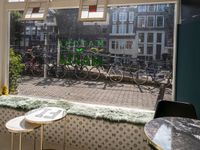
140	77
60	72
94	73
37	70
81	72
115	75
164	77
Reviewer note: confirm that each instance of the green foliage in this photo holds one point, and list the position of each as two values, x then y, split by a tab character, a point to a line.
15	70
16	28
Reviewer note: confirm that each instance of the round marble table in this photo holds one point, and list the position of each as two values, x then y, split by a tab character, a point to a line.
19	125
173	133
45	115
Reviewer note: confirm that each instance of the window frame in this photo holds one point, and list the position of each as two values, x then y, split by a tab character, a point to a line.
147	25
139	18
163	22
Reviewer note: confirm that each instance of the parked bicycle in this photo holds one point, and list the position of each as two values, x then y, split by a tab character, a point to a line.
156	75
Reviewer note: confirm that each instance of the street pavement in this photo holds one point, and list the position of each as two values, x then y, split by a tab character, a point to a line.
93	92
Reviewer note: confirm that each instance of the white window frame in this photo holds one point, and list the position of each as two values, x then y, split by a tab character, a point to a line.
139	18
163	24
150	16
130	28
150	5
4	28
123	16
131	16
31	5
114	29
115	17
122	29
142	8
162	7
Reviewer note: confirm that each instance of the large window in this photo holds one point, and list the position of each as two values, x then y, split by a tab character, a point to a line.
131	37
152	44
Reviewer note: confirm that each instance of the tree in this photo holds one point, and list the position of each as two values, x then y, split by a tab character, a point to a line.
16	28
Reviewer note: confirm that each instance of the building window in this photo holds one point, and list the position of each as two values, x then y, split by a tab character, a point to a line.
150	38
122	29
150	49
122	16
160	21
159	37
114	45
130	28
28	31
161	7
122	44
142	8
114	17
114	29
129	44
33	30
150	21
158	51
131	16
141	21
140	48
151	8
141	37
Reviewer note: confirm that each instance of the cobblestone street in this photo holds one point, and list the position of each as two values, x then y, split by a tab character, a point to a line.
123	95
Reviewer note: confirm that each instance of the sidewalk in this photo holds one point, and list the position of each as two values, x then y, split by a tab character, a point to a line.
123	95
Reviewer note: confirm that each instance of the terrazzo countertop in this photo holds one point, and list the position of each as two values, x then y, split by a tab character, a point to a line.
174	133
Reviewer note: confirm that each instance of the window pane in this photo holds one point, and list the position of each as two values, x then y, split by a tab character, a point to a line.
114	16
122	44
161	7
160	21
114	29
159	37
122	28
141	49
150	37
131	16
150	21
142	8
141	21
150	49
122	16
129	44
130	28
151	8
141	37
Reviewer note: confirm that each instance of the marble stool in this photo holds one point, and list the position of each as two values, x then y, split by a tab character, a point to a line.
19	125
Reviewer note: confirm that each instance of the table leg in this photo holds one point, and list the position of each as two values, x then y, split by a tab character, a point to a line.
34	142
65	122
41	136
12	141
20	141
